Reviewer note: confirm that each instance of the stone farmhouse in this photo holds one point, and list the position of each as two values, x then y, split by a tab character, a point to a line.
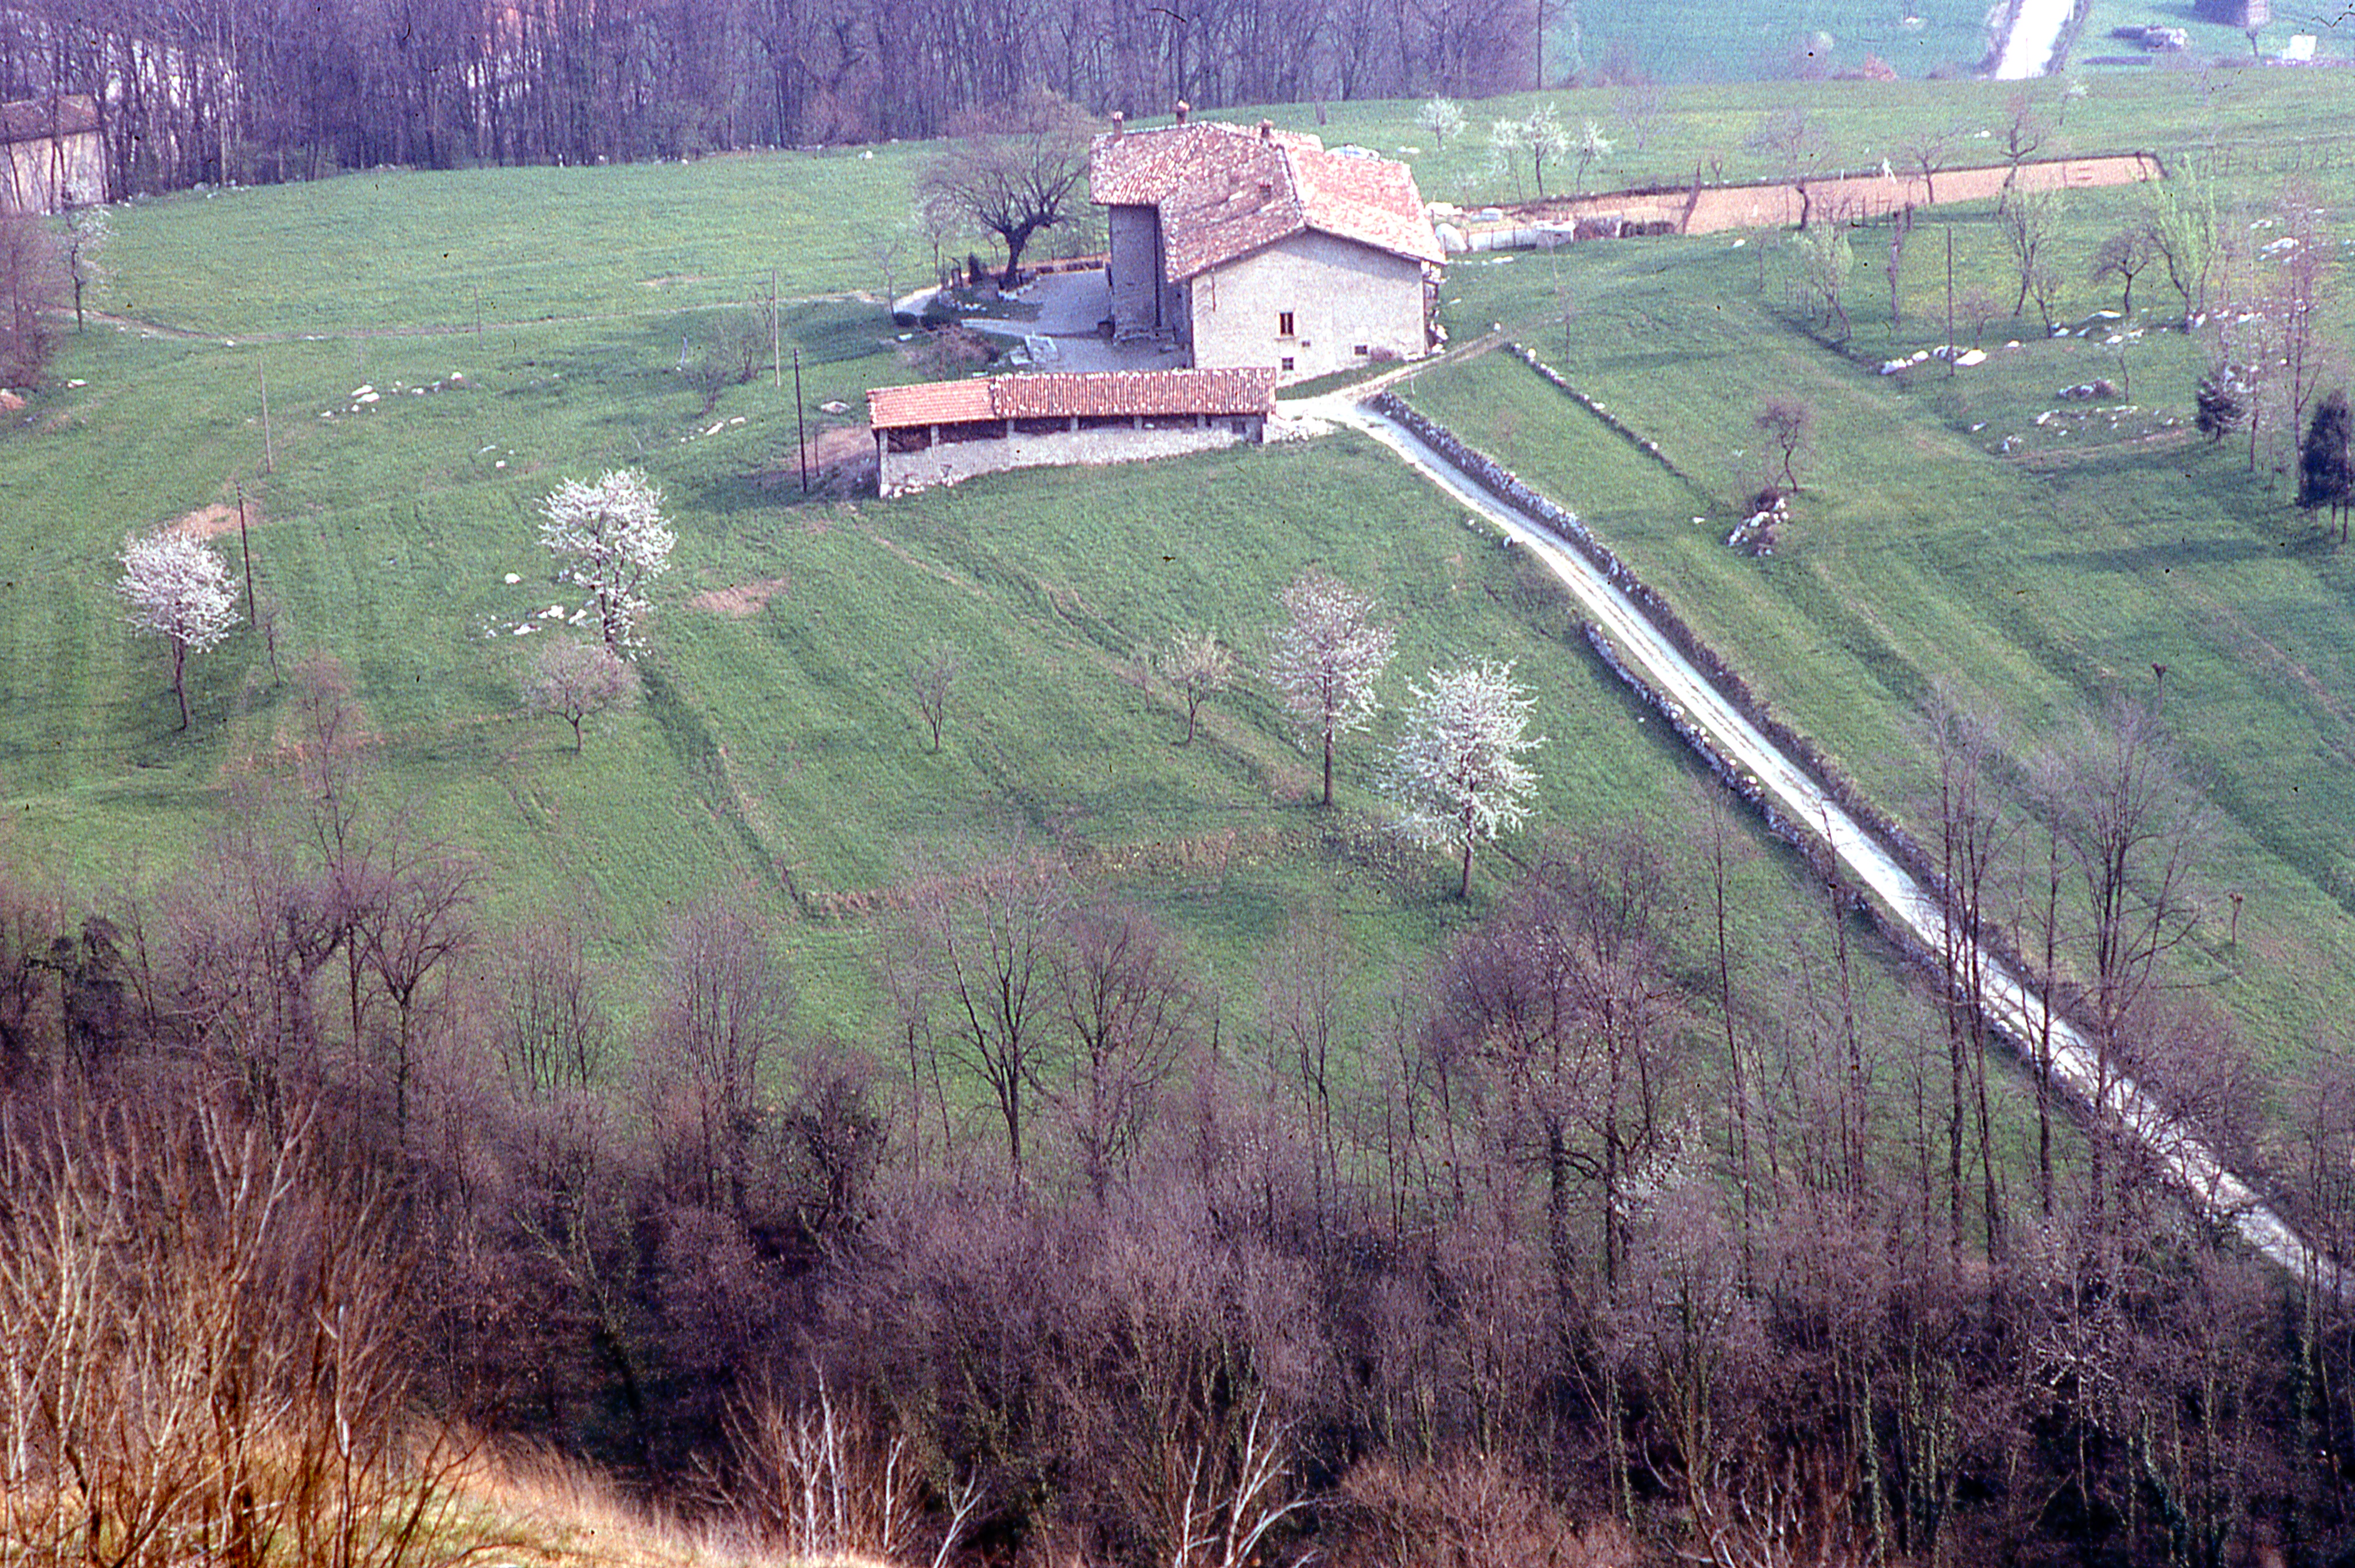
941	431
1263	248
53	157
1251	258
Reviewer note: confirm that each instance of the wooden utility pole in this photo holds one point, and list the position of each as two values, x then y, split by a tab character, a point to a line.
801	428
1950	298
245	542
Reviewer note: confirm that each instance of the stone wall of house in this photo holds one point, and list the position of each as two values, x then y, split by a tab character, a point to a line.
946	465
1350	303
52	174
1132	240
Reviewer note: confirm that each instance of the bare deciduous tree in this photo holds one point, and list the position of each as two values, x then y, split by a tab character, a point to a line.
931	678
1129	1003
1785	422
1014	170
722	1012
30	273
577	681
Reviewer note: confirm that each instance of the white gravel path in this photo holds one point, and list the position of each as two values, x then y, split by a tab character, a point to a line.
2027	47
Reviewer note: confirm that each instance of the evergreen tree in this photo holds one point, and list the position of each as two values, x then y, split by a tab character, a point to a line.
2325	474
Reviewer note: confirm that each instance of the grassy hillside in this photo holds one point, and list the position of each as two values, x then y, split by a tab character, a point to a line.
1973	529
521	325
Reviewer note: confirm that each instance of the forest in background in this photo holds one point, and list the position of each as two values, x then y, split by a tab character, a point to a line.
240	91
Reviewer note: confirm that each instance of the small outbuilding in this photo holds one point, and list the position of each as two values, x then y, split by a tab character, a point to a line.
54	158
938	432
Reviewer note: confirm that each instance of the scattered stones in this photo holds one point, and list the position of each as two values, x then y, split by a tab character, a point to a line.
831	406
2086	391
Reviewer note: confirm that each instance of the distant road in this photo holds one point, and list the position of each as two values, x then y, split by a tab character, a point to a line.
2035	33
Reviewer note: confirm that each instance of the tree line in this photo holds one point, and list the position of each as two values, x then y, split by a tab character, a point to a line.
253	90
1591	1236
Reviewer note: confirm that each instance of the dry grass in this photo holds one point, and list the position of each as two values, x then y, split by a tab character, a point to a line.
539	1510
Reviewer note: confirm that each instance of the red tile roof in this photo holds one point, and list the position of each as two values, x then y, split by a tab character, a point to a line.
928	402
38	119
1225	192
1249	389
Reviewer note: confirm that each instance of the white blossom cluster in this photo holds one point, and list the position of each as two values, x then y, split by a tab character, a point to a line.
610	537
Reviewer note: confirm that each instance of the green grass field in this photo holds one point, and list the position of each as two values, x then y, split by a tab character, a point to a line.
1971	528
521	325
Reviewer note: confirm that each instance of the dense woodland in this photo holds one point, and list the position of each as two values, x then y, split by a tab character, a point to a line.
251	91
1597	1239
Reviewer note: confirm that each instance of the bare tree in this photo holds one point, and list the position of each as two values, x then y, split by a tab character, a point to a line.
1014	170
1197	664
577	681
2124	256
1786	424
31	272
179	590
1825	258
1129	1003
555	1035
722	1013
2029	221
610	537
989	940
1327	658
931	678
2133	827
1457	775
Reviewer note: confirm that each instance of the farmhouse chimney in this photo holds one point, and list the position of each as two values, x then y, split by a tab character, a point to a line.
1119	123
1267	130
1183	109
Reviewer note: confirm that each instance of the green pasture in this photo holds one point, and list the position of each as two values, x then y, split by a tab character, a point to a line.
515	327
1968	529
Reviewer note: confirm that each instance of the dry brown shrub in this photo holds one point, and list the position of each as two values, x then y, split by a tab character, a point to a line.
1474	1511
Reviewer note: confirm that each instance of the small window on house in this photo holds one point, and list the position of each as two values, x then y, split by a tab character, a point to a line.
1286	362
1283	324
1360	350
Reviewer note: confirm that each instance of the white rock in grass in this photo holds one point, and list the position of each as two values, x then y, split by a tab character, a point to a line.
513	578
553	613
502	462
1970	357
362	390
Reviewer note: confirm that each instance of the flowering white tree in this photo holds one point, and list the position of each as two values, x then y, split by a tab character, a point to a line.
1443	117
1457	774
1327	658
179	590
1542	136
611	538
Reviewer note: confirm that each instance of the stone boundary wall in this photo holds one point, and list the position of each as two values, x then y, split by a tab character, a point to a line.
1508	488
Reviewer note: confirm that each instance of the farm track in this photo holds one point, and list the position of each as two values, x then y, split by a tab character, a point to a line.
1798	797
